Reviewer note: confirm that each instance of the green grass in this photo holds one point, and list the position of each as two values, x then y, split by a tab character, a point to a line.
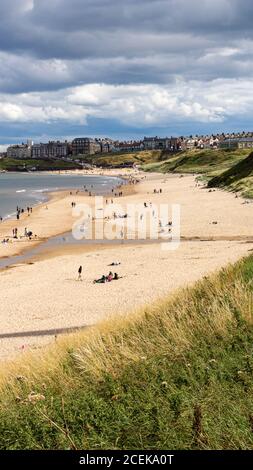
11	164
104	160
237	178
120	159
178	375
206	162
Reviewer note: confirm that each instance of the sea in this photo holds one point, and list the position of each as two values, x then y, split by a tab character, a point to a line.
30	189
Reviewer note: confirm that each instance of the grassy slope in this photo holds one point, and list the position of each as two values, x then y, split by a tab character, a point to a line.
207	162
104	160
237	178
11	164
178	375
117	159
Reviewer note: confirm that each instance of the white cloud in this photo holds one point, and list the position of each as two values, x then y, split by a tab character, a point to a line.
136	105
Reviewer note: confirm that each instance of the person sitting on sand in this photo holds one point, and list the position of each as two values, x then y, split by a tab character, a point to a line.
115	277
115	263
109	277
102	280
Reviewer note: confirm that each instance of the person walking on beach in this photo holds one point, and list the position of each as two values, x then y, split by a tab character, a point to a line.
80	273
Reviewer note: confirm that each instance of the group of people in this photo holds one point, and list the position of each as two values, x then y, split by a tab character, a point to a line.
15	230
119	194
109	278
102	280
27	234
158	191
20	211
146	204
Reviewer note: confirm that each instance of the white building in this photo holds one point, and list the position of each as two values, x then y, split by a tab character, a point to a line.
162	143
23	151
50	150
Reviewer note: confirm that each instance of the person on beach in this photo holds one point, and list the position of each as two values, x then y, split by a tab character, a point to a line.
105	279
80	273
102	280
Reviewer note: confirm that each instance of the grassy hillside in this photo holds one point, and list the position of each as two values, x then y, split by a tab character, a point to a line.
237	178
104	160
120	159
11	164
177	375
207	162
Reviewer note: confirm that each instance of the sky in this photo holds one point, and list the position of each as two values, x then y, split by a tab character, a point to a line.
124	69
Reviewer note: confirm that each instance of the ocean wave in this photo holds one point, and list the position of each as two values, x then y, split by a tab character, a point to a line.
39	190
21	191
44	190
9	216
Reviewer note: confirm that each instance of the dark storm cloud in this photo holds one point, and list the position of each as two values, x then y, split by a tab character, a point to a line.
151	15
114	28
186	50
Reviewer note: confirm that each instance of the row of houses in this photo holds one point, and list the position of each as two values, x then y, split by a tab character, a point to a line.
171	144
52	149
240	143
88	146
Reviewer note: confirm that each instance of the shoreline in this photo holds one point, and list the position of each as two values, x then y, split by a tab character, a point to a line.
63	197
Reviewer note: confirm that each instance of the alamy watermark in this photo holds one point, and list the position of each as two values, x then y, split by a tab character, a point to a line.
108	220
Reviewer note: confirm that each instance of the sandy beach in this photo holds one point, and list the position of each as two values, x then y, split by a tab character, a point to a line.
42	299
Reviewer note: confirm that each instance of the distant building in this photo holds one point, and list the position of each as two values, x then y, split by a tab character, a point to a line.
128	146
85	146
240	143
166	143
50	150
23	151
106	146
191	143
36	151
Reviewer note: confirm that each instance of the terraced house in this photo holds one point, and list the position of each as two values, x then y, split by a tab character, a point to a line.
22	151
240	143
50	150
85	146
163	143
